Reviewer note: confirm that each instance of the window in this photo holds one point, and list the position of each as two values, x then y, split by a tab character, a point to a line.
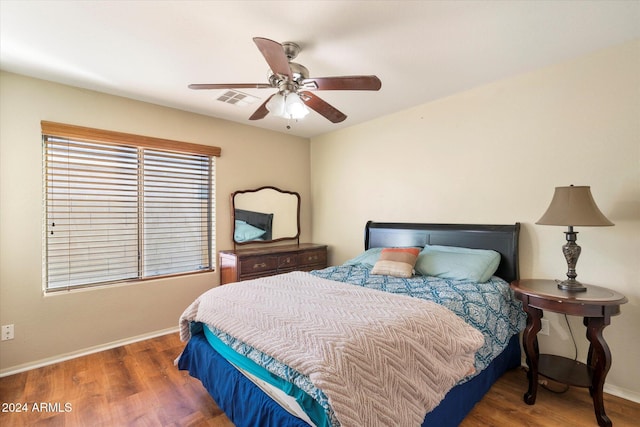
121	207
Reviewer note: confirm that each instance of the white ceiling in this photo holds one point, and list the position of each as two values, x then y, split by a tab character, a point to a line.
421	50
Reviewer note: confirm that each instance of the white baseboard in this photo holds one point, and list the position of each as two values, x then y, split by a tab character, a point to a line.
622	393
95	349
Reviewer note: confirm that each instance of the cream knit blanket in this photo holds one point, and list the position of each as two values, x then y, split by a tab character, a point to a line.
381	359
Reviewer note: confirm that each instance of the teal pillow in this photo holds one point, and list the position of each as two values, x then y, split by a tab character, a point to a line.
368	257
450	262
245	232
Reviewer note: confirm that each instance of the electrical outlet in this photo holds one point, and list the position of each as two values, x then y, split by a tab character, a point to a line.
544	329
7	332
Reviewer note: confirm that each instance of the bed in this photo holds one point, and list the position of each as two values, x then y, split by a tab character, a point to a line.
234	372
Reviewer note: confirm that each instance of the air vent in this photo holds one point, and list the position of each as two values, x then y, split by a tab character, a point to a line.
237	98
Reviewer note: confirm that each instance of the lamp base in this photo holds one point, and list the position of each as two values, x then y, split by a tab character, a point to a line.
571	252
572	285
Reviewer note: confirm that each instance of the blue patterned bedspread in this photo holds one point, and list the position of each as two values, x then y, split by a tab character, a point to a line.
489	307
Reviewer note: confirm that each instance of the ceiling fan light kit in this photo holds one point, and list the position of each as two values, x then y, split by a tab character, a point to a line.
287	106
294	98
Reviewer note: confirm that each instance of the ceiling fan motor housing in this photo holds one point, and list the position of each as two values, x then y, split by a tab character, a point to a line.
298	73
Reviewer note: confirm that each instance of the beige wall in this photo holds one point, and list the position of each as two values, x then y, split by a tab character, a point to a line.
64	324
494	155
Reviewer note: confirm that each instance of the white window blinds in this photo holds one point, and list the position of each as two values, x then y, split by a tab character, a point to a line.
118	212
176	210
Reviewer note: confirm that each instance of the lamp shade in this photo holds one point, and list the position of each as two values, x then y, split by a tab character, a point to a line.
573	206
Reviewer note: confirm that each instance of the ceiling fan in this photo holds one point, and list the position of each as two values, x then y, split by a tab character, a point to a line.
294	86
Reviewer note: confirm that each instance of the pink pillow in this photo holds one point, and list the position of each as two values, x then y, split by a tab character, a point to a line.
398	262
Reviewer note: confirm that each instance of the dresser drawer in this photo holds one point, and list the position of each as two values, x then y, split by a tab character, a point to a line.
315	257
258	264
286	262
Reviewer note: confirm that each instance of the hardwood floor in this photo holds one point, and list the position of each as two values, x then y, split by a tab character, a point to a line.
138	385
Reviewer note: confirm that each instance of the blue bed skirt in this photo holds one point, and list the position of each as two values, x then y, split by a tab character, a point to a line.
248	406
462	398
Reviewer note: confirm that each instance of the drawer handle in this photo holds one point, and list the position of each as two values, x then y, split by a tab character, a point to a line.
261	265
312	258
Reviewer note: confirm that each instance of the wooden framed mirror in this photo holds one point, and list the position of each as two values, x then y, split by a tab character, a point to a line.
265	215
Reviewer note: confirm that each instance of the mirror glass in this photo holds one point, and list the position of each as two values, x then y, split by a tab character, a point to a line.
264	215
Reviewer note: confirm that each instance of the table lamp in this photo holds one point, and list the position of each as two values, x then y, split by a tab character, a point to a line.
573	206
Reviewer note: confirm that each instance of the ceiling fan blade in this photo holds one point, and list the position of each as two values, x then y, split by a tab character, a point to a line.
262	111
322	107
230	86
342	83
273	53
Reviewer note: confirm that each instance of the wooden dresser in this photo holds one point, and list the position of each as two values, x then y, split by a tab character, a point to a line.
250	263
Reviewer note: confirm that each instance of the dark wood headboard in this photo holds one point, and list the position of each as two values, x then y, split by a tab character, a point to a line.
500	238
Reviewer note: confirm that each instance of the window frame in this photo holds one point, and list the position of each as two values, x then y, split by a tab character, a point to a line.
138	142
